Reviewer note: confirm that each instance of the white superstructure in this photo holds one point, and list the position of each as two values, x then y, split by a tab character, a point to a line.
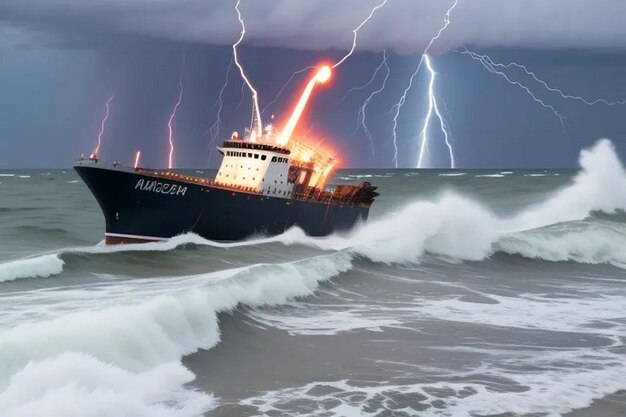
258	167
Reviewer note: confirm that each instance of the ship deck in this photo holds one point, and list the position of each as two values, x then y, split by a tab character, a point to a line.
325	197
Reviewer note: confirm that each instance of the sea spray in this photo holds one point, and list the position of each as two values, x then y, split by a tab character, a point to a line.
78	385
36	267
139	332
451	225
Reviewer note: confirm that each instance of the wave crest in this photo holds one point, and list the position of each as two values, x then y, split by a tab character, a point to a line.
74	384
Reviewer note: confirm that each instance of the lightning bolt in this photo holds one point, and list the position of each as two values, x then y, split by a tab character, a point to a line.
433	107
243	95
486	62
173	115
103	124
361	123
534	76
355	32
371	80
285	86
214	129
397	108
255	97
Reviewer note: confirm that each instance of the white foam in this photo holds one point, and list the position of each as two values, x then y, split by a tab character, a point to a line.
139	325
7	175
453	174
312	320
490	176
530	312
49	264
24	176
591	243
550	393
72	182
460	228
77	385
41	266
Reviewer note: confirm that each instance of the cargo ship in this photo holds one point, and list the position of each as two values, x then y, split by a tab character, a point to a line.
267	183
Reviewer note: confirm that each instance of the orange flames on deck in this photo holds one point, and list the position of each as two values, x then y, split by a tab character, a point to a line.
306	156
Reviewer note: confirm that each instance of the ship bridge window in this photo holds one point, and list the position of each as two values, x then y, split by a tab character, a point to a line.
256	156
249	155
273	159
263	157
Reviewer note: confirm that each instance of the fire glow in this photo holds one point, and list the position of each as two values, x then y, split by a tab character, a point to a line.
137	156
322	76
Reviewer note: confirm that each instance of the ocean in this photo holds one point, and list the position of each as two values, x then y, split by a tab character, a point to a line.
466	293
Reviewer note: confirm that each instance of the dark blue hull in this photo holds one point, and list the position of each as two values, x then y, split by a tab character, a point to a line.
142	207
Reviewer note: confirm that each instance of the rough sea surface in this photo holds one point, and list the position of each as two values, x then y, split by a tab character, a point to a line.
467	293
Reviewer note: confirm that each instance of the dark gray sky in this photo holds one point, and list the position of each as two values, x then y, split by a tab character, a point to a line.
61	59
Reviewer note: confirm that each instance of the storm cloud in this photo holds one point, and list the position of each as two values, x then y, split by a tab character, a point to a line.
402	25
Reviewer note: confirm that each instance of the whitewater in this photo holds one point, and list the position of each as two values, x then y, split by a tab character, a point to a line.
466	293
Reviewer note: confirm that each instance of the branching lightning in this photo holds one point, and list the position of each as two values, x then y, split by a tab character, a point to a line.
398	107
255	97
173	115
371	80
362	110
103	124
487	59
486	62
285	86
214	129
356	30
243	95
433	107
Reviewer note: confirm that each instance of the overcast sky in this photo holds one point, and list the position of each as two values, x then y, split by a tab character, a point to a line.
61	59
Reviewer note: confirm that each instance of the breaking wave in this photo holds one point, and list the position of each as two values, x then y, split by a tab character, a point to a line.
75	384
562	228
132	337
38	267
